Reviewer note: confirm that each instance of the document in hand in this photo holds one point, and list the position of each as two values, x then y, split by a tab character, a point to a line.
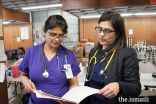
75	95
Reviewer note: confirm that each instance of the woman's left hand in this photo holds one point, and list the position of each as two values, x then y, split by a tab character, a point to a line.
110	90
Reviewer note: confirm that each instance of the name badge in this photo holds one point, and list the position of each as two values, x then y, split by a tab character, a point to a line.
69	73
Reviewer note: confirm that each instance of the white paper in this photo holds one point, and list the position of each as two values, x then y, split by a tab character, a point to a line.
18	39
3	58
24	33
75	95
2	48
130	31
2	72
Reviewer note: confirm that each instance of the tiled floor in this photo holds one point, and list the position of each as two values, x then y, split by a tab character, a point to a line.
14	99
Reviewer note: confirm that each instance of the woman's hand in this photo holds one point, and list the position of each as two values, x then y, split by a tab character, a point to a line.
30	87
110	90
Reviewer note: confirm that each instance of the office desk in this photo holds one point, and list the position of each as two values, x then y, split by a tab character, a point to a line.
147	79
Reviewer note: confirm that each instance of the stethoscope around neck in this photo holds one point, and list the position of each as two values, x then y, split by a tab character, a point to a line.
45	74
102	72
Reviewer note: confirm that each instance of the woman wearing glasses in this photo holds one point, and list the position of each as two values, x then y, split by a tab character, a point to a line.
112	68
50	67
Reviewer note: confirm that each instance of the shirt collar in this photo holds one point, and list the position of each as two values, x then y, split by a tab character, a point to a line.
107	49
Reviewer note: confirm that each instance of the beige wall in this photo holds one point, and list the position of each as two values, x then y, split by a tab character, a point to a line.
143	29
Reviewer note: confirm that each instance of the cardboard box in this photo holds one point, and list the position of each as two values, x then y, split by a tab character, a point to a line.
78	44
79	60
85	69
70	48
85	62
83	44
79	51
87	54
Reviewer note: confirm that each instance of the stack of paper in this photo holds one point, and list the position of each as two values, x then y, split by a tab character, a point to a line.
2	72
3	58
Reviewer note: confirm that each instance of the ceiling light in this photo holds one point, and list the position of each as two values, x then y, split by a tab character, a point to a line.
97	16
145	14
6	22
126	14
42	6
90	16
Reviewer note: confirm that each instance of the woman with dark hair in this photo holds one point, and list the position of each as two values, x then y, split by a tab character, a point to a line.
113	68
50	67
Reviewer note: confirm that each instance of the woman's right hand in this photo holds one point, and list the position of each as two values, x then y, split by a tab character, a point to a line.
30	87
28	84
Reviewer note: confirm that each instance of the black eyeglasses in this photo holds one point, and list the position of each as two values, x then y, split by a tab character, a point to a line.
106	31
54	35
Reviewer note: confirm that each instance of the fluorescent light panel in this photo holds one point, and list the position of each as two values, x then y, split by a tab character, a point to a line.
91	16
145	14
124	15
42	6
6	22
97	16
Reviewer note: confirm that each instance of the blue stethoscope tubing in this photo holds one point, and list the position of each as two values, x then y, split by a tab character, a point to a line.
45	73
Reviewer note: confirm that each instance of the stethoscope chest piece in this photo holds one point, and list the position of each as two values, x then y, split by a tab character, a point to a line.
102	72
45	74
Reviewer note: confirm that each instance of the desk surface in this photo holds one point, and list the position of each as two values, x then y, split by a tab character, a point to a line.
147	79
9	63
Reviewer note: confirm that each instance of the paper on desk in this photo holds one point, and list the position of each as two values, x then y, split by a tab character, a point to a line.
2	72
75	95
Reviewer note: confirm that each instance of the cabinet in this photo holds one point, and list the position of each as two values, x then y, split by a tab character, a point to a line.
9	36
87	30
12	32
3	90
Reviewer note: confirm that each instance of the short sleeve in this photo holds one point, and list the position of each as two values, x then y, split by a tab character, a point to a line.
24	65
75	66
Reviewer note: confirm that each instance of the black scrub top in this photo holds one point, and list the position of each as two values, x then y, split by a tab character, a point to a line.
97	81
